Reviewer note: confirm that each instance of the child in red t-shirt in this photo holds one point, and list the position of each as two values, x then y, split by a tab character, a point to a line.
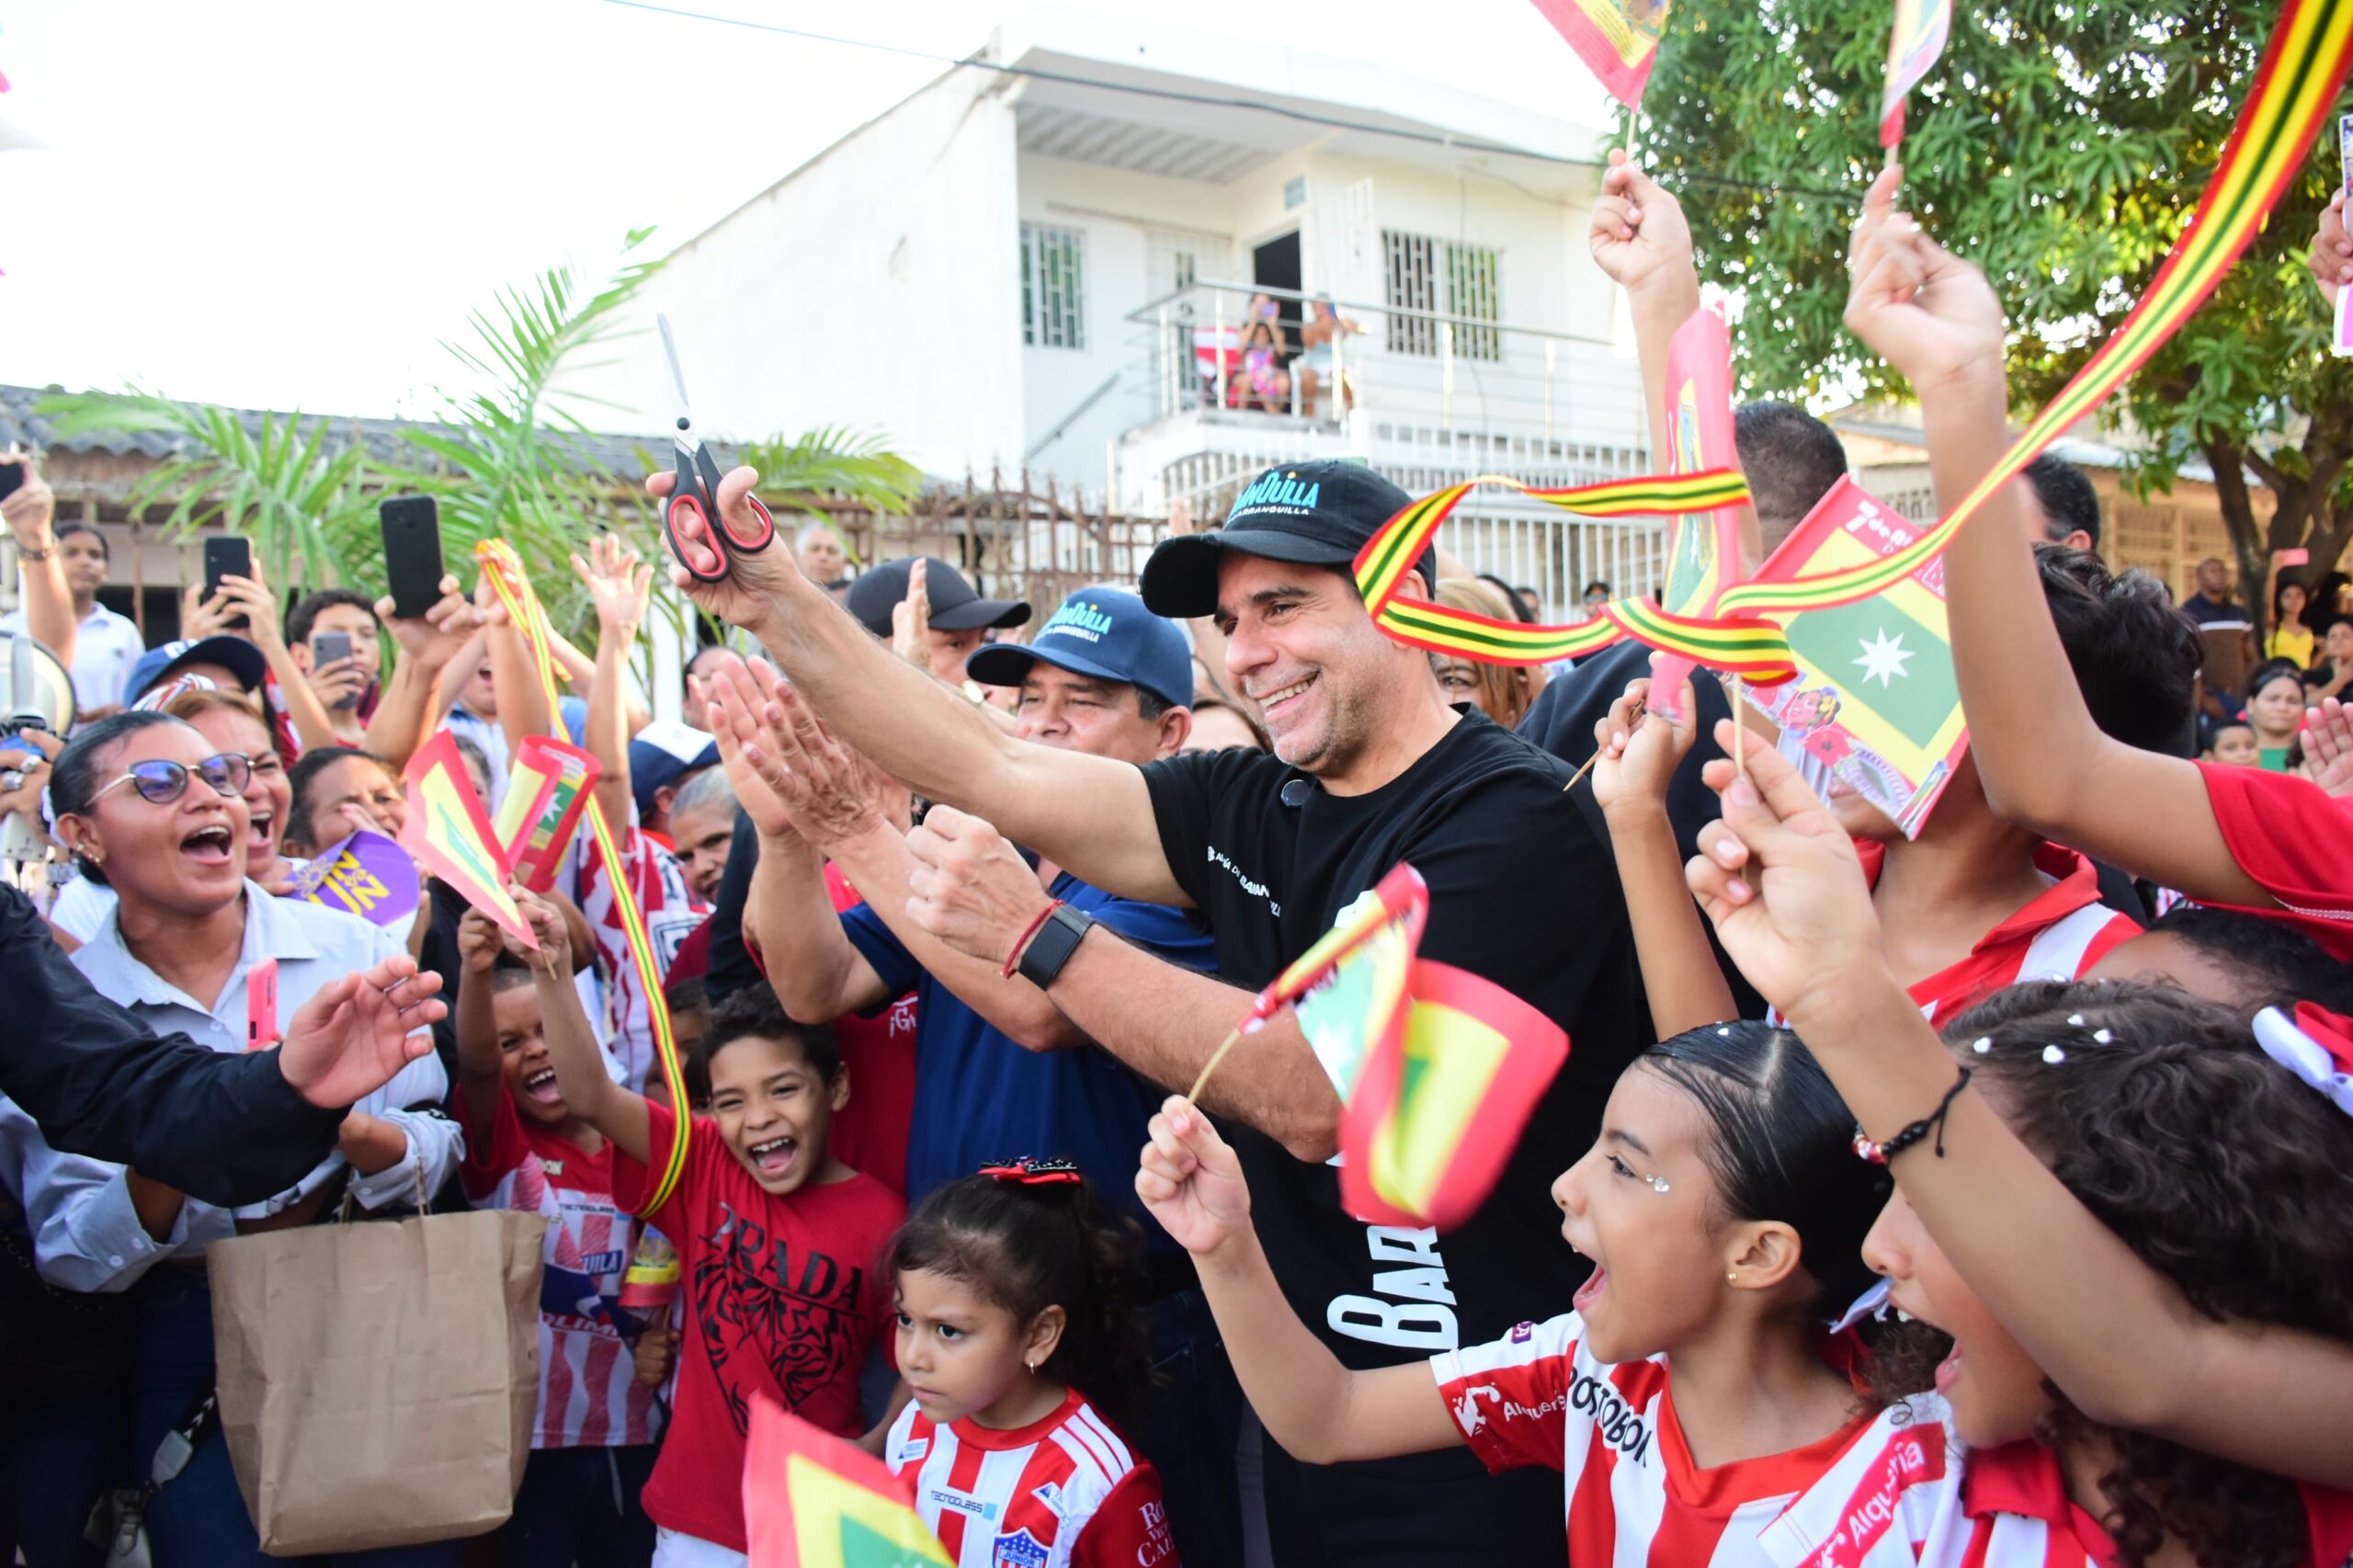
778	1242
592	1439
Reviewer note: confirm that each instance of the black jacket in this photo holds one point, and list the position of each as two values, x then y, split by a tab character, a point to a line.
229	1130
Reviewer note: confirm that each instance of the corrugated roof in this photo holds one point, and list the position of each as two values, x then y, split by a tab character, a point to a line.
386	440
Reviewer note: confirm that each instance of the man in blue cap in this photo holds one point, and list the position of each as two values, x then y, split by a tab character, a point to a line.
999	1070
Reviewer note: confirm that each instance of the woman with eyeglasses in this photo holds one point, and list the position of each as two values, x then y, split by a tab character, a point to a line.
233	723
153	809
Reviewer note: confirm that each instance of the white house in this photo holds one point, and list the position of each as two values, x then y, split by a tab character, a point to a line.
1035	260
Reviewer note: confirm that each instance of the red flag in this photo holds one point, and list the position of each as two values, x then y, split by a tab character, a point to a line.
1616	39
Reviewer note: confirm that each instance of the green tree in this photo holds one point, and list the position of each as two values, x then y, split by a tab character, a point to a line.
2060	145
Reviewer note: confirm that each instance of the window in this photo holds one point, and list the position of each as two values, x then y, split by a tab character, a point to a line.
1054	287
1446	279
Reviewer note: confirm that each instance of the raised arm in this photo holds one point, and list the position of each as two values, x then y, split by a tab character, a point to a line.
30	512
2045	764
481	1079
252	597
838	801
788	917
618	585
408	706
580	1073
1089	814
1639	754
1780	880
1641	241
1317	1409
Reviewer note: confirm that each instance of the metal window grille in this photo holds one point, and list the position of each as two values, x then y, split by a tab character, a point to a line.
1425	274
1054	287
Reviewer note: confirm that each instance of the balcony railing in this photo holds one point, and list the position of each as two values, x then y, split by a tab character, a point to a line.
1430	399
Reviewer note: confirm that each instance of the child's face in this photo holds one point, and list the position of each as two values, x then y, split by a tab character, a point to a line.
1996	1390
960	1352
523	1056
2339	642
1658	1257
2234	745
773	1109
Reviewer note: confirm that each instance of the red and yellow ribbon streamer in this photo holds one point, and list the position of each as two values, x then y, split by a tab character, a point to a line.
2295	88
513	586
1753	647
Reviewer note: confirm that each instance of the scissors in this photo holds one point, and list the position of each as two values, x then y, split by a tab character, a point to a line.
697	492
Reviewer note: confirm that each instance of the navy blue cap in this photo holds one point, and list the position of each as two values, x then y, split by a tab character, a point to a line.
954	605
1103	633
1318	514
236	655
664	752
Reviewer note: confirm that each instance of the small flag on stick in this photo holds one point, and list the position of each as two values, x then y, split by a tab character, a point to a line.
1921	28
449	833
1617	40
812	1501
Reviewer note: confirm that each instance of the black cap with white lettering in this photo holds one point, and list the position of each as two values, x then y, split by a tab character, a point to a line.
1318	514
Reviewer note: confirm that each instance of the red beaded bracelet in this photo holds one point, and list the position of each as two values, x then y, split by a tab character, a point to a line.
1021	943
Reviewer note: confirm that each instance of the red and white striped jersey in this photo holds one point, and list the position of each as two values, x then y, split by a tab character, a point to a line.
2000	1507
672	913
1065	1491
1636	1498
589	1396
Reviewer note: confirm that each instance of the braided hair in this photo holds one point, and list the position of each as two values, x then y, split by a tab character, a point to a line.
1026	1246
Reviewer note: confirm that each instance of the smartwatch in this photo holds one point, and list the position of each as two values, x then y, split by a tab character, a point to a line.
1051	948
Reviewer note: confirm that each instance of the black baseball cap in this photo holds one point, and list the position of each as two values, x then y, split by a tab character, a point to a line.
954	605
1319	513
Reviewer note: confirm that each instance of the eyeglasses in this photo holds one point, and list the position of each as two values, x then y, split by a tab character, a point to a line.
163	782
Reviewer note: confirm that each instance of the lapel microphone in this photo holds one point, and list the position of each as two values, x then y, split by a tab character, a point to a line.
1296	791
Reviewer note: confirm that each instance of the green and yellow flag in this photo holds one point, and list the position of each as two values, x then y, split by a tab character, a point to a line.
813	1501
1437	1070
1875	707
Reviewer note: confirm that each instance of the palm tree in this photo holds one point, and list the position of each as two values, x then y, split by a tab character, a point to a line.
514	460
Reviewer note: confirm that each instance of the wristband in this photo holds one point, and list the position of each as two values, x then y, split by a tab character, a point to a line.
1880	1154
24	552
1042	960
1021	943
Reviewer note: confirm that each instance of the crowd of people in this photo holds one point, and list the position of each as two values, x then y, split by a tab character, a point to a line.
1977	1196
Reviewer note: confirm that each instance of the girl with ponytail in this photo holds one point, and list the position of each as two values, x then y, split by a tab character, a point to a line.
1023	1341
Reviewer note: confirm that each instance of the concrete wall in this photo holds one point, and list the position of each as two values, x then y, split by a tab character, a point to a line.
876	287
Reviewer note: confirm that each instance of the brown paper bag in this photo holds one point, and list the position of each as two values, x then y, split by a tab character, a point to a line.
377	1380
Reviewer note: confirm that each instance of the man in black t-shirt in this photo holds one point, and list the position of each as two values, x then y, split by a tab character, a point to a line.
1370	767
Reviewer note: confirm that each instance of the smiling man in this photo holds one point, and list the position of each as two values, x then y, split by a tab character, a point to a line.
1370	767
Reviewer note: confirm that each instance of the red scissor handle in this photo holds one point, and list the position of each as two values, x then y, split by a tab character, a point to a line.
710	539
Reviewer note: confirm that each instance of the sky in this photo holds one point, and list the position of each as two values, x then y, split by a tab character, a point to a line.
273	204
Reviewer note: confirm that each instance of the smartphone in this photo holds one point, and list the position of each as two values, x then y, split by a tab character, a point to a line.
2295	557
412	526
12	476
326	649
226	555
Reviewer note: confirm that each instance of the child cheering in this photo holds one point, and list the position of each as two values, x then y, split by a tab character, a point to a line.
1015	1294
527	1149
1690	1396
780	1242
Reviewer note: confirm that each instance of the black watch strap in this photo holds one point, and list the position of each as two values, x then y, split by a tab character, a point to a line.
1051	948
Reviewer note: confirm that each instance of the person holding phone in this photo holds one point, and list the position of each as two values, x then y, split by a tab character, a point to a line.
59	570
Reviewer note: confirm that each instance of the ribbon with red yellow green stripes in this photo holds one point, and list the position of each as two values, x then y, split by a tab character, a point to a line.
2295	88
513	586
1754	648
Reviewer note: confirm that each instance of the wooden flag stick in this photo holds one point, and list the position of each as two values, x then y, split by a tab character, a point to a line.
1739	732
1587	766
1193	1095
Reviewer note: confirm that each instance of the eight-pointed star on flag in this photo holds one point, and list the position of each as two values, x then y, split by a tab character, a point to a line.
1883	657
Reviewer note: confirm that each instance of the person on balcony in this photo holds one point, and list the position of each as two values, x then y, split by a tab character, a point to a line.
1318	364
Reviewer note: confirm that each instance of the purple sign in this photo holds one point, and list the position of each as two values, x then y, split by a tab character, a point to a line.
367	875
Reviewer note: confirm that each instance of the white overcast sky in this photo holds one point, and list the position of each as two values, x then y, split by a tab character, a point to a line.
293	204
